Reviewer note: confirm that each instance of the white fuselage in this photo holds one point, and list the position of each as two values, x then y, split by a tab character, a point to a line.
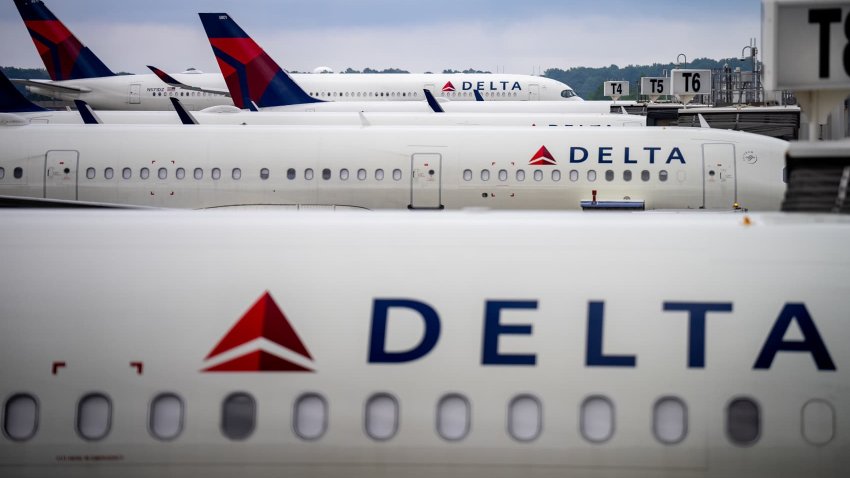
384	167
148	92
483	345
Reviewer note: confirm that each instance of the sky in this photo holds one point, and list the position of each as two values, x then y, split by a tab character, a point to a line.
522	37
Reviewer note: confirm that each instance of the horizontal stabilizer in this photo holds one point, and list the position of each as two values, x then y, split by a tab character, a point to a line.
52	87
11	99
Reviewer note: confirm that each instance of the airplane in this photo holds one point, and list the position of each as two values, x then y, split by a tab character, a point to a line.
393	167
78	74
12	101
274	343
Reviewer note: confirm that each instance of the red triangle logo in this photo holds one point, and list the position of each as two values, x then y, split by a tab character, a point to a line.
543	158
263	320
449	87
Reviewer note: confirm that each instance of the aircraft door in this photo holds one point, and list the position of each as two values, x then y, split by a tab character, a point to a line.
719	178
425	186
135	93
60	175
533	92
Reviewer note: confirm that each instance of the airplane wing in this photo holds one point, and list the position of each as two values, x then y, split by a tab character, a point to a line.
41	203
171	81
48	85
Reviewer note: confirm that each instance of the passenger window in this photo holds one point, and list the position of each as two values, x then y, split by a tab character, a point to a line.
290	174
382	417
573	175
609	175
520	175
126	173
326	174
591	175
2	173
236	174
180	174
662	175
238	416
503	175
556	175
453	417
90	173
396	174
743	421
310	416
20	417
198	174
18	172
379	174
644	175
525	418
361	174
538	175
485	174
670	420
264	174
94	417
597	419
308	174
108	173
162	173
166	416
627	175
467	175
145	173
818	422
216	174
343	174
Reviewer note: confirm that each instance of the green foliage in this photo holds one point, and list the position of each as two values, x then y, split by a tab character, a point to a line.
468	71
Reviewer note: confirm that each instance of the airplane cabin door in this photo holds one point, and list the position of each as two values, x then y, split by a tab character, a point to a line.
425	186
719	178
533	92
60	175
135	93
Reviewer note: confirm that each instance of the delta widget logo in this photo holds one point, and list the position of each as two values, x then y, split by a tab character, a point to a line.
542	158
448	87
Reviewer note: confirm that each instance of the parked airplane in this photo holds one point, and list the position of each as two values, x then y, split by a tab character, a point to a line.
140	344
77	73
393	167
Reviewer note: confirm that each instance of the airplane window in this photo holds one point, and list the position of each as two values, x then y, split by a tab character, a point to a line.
525	418
743	421
485	174
556	175
591	175
467	175
20	417
627	175
198	174
238	416
290	173
415	93
682	176
18	173
144	173
310	416
670	420
343	174
166	416
644	175
382	417
379	174
597	419
236	174
264	173
361	174
216	174
180	173
538	175
396	174
818	422
126	173
108	173
609	175
573	175
326	174
2	173
503	175
520	175
662	175
94	416
308	174
162	173
453	417
90	173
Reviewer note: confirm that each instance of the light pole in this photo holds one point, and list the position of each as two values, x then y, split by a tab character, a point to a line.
756	75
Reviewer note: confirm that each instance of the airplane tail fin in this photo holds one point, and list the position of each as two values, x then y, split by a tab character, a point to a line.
64	56
11	99
250	73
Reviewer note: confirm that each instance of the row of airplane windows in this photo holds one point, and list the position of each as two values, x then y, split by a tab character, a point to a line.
360	94
381	418
185	93
352	94
574	175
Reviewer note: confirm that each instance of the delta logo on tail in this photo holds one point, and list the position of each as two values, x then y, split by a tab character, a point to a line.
448	87
263	322
543	158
